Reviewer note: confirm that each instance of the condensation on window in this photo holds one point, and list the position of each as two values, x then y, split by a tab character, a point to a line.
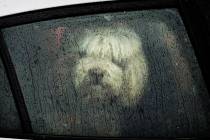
116	74
9	118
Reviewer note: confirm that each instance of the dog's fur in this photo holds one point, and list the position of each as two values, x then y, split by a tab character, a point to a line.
115	58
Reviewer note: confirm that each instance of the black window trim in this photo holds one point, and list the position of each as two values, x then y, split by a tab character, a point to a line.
189	11
15	87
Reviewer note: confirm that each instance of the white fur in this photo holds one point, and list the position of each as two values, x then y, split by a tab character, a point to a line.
118	53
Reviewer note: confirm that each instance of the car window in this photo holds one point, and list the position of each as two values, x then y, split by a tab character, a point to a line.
116	74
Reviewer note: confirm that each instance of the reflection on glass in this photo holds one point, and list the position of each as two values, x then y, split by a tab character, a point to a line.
117	74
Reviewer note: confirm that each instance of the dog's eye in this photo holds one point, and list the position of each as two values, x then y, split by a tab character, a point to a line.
82	54
119	64
123	66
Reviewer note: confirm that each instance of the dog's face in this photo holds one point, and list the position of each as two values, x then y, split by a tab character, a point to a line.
112	66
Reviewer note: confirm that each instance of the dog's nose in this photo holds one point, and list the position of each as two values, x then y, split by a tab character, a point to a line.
96	76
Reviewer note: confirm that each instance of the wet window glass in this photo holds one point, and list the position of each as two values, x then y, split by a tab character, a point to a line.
9	118
117	74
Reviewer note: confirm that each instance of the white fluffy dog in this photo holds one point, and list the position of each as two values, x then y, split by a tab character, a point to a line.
112	66
104	74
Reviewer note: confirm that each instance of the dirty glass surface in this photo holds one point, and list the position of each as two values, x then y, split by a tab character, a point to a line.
9	119
117	74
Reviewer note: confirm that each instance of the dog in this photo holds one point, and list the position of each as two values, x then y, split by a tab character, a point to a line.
112	67
104	73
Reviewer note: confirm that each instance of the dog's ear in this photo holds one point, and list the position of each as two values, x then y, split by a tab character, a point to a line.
135	79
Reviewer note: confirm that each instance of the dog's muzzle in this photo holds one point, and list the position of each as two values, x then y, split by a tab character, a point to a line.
96	76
